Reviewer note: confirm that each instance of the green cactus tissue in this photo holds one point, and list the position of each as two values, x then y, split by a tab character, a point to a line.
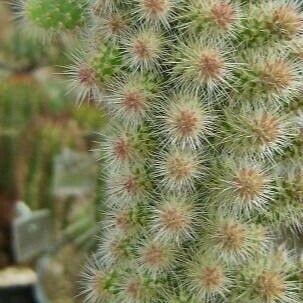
203	153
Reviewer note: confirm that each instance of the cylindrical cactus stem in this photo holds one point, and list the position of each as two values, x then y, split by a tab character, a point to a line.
204	98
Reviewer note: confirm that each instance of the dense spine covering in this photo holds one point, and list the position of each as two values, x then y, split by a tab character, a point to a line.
204	149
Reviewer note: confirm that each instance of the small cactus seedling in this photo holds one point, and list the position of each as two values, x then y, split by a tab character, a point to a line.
204	149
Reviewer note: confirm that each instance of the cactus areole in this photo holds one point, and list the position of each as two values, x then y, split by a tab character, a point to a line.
204	148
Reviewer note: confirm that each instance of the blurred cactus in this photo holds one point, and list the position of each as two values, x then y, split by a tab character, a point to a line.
27	93
54	15
21	53
31	137
203	149
42	140
14	121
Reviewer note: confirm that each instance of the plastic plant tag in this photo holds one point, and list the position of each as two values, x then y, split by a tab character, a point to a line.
75	173
31	235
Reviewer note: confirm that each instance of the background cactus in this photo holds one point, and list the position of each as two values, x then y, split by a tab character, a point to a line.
204	175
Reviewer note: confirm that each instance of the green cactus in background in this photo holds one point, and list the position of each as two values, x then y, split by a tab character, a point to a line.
33	135
13	122
50	17
203	150
22	52
43	139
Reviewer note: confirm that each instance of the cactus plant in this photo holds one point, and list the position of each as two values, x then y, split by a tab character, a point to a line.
48	17
204	157
41	141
